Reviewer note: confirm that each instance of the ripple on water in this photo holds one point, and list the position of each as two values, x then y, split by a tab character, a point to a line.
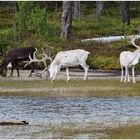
44	111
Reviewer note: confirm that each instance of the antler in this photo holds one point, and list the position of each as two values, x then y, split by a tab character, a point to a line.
31	60
132	39
46	56
34	59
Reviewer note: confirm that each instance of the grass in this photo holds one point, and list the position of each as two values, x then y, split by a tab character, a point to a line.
70	130
89	131
74	88
124	132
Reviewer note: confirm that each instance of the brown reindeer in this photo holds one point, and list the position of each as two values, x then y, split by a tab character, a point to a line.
14	56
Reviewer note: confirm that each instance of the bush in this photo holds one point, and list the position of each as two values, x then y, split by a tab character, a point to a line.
32	18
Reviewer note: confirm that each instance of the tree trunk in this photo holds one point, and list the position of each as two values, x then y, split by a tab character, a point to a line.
66	20
126	12
77	13
16	9
108	39
99	9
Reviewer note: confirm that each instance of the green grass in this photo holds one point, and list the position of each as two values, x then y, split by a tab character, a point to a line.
74	88
124	132
89	131
69	131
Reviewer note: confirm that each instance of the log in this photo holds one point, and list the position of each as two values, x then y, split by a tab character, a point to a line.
108	39
14	122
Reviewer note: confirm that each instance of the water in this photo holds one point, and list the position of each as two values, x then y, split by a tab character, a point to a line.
42	113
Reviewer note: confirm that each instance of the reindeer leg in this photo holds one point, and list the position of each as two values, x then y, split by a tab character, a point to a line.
122	73
133	74
17	67
85	67
32	66
67	72
128	75
126	72
32	69
53	77
12	69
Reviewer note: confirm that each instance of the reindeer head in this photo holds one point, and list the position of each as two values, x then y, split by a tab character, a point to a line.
132	39
53	69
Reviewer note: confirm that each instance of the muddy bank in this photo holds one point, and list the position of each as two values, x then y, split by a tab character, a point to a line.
74	75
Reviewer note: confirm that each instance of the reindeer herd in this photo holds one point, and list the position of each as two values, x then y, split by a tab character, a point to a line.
66	59
63	59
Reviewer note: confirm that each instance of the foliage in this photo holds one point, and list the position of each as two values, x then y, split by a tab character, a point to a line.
32	18
41	25
127	30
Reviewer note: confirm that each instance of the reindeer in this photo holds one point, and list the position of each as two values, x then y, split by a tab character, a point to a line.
67	59
14	56
63	59
129	59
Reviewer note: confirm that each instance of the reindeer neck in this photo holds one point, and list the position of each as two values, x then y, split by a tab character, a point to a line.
5	61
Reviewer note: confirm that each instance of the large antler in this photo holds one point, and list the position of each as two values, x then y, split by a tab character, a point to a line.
45	56
34	59
132	39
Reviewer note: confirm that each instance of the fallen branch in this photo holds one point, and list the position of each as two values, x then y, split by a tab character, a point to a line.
108	39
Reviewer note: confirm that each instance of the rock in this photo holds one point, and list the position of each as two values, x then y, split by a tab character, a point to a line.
14	122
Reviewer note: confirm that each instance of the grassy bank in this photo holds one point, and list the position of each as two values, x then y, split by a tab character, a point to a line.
74	88
90	131
125	132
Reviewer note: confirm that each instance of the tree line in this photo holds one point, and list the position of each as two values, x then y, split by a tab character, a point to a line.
30	18
38	16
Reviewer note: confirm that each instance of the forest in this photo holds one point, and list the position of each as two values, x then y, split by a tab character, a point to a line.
61	25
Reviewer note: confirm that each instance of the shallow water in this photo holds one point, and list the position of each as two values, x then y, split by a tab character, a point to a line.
43	113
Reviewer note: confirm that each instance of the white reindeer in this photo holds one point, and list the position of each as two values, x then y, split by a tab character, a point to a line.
129	59
67	59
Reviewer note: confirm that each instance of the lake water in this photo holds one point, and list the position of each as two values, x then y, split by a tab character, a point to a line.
43	113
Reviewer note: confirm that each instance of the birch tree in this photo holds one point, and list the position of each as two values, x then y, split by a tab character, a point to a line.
99	9
66	20
77	13
126	12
